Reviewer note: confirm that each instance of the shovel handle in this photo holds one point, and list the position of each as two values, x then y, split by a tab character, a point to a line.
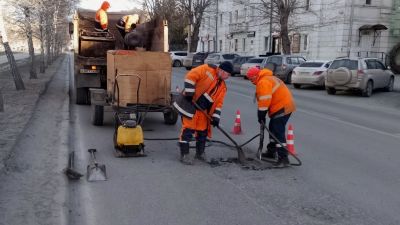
92	151
261	145
241	156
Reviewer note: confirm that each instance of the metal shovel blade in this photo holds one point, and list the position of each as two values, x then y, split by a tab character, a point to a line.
96	172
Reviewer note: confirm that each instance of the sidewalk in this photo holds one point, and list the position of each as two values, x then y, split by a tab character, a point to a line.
19	105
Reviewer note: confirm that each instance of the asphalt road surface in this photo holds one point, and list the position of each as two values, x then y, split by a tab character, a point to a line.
349	146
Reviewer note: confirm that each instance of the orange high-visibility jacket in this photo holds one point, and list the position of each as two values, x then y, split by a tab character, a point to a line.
101	16
273	95
203	84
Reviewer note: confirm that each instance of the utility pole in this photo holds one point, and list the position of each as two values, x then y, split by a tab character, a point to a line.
270	28
216	30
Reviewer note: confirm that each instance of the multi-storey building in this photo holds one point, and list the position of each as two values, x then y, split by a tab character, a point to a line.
320	29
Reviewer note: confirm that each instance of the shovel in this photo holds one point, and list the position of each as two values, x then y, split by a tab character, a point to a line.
260	147
95	171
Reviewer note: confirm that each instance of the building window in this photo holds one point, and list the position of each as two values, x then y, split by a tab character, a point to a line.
368	2
220	19
236	45
236	16
244	44
209	22
266	43
220	45
230	17
307	5
305	44
245	14
202	46
252	13
208	46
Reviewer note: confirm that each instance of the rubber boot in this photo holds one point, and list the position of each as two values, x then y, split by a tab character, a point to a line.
185	158
283	160
200	154
271	151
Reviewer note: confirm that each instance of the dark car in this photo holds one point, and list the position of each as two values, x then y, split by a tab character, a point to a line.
284	65
198	59
238	62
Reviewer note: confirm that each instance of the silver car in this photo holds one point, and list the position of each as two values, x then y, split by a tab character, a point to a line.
253	62
217	58
363	74
310	73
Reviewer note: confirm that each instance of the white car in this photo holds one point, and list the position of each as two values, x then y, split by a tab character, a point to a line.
177	58
253	62
310	73
188	60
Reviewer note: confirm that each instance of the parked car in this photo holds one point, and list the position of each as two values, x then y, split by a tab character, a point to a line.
364	74
284	65
187	61
177	58
217	58
310	73
253	62
198	59
238	62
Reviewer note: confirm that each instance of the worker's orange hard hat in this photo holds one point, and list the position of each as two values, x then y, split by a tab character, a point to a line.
105	5
252	73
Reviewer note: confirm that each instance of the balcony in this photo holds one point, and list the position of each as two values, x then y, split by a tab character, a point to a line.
235	28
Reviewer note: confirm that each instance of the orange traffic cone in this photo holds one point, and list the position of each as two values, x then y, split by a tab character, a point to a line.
290	140
237	127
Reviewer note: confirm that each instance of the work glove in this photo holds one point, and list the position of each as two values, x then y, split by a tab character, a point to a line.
215	123
261	115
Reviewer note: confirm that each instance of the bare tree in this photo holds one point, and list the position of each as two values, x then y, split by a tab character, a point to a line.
19	84
173	13
194	10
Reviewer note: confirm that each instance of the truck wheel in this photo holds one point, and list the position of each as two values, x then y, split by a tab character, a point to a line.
394	59
389	87
82	96
170	117
97	115
297	86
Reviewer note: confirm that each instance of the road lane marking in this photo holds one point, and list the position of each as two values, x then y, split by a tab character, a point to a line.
335	119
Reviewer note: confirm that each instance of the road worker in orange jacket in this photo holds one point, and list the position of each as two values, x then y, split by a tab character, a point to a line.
101	19
127	23
205	86
274	99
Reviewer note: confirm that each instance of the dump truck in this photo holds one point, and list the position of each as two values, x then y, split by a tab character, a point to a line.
90	48
102	59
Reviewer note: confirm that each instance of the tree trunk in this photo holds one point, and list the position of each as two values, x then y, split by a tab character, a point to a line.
284	18
32	71
19	83
42	67
195	37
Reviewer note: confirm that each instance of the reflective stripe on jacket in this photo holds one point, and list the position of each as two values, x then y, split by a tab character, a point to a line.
208	92
273	95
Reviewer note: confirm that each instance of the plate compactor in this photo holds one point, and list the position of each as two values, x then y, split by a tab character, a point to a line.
128	135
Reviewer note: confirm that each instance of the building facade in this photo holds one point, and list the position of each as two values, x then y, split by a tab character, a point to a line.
320	29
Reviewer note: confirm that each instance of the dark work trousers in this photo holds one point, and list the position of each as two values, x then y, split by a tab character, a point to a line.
277	126
187	134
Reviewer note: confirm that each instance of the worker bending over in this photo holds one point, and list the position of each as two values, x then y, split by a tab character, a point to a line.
274	99
127	23
101	19
205	87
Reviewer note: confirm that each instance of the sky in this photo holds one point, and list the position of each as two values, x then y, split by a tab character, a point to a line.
116	5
